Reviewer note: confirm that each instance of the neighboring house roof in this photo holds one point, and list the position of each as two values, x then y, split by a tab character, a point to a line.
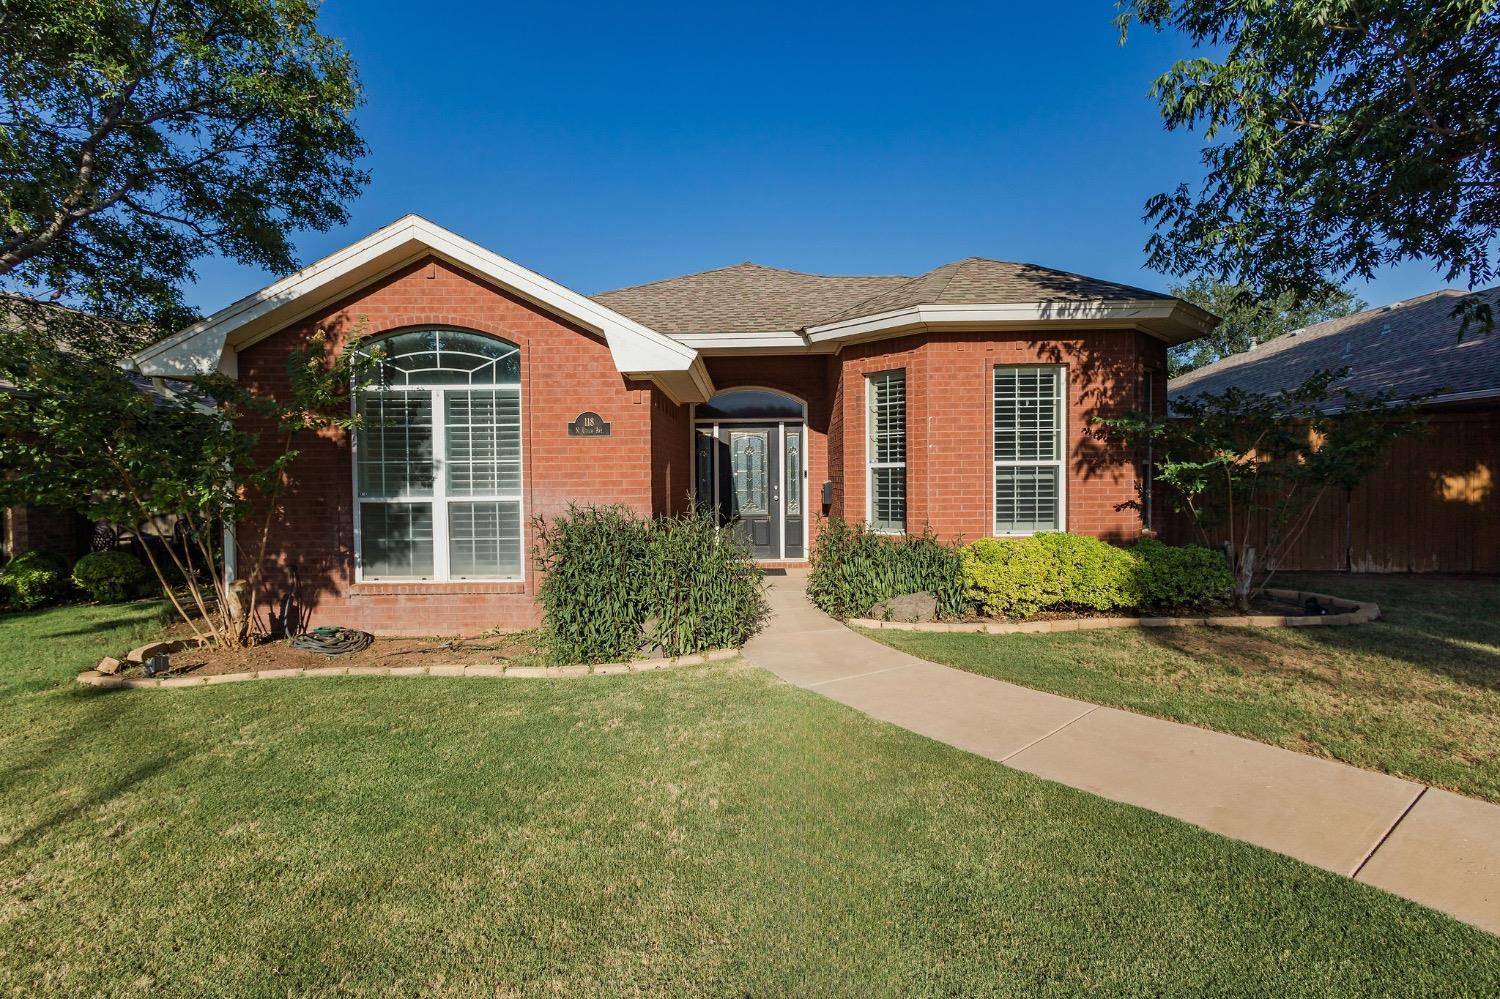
1410	348
67	326
753	298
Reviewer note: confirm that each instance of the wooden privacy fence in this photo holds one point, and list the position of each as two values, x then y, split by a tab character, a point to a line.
1433	507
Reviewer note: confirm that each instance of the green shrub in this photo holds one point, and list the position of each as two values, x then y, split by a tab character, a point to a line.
1185	576
615	583
854	568
34	579
110	577
1017	577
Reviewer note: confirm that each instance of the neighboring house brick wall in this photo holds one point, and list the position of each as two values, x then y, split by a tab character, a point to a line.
564	371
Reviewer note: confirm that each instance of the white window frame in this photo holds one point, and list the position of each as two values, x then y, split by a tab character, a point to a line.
1060	463
439	498
871	464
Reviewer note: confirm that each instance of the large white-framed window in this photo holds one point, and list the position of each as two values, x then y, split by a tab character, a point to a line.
1029	435
885	451
437	459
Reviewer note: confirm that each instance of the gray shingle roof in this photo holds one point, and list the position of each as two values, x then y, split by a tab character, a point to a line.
745	298
980	281
751	298
1411	348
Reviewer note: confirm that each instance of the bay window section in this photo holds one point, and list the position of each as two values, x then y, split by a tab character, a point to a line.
885	451
1030	481
438	459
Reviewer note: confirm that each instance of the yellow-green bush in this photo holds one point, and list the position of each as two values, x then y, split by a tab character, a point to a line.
1017	577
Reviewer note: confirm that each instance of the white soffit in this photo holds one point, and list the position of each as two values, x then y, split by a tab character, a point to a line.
1150	313
209	344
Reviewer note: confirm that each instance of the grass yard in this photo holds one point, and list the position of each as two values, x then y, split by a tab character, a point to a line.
704	831
1415	694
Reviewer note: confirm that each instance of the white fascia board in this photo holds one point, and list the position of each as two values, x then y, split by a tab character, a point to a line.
769	342
1124	313
200	347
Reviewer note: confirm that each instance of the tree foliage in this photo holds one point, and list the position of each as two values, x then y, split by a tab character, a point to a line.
79	433
1251	467
139	135
1250	319
1341	137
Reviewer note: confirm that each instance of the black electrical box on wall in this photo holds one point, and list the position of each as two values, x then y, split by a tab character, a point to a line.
827	495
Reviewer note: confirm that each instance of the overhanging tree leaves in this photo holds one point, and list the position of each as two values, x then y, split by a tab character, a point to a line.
1250	468
1250	319
1342	136
139	135
79	433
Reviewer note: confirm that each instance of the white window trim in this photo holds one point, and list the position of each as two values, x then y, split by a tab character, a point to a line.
1062	452
870	464
440	498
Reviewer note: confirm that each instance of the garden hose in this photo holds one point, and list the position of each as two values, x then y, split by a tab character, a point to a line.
328	641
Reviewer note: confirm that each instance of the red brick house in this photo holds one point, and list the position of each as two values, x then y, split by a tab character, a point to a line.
960	398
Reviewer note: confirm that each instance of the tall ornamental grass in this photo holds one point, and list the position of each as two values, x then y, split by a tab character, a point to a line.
616	584
855	568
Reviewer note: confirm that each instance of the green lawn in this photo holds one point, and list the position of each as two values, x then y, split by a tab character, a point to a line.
705	831
1416	693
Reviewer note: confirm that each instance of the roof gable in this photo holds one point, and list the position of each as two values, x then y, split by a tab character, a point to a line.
208	344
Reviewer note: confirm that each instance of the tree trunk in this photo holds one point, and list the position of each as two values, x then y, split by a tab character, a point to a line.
1244	573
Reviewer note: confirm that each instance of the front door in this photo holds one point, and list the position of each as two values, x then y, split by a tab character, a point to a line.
750	463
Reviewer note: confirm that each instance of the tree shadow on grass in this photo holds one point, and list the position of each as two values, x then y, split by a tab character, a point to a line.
100	796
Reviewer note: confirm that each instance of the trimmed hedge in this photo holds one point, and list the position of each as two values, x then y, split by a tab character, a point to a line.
616	584
1017	577
854	568
110	577
34	579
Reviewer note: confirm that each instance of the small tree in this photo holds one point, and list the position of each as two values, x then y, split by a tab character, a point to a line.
80	433
1254	466
1249	319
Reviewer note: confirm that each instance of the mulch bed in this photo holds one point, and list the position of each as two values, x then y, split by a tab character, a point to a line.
520	649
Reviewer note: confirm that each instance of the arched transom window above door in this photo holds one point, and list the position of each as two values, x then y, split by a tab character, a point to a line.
438	459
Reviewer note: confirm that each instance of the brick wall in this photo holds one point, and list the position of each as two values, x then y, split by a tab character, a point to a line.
949	425
564	371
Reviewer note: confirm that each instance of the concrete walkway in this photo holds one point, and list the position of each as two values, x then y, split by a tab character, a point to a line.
1433	847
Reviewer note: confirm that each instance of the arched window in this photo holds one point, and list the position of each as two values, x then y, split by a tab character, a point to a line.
438	459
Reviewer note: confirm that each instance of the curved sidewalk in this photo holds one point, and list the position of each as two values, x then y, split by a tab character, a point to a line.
1431	846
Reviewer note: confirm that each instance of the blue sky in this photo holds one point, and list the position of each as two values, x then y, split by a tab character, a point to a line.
606	145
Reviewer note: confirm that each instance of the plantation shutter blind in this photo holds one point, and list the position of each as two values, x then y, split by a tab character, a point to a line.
886	451
1028	449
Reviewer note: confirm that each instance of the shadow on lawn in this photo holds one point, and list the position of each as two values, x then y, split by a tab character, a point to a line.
1442	626
99	796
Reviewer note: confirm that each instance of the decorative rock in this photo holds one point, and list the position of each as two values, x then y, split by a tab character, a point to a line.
445	671
912	608
184	681
140	683
369	671
609	669
327	671
568	671
404	671
278	674
109	666
534	672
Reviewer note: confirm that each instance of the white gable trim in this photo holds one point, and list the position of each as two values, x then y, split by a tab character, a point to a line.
1124	313
209	344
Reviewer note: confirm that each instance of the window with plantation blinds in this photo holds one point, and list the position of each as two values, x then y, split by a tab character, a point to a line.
885	451
438	458
1029	477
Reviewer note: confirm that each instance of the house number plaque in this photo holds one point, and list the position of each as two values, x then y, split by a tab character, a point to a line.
588	425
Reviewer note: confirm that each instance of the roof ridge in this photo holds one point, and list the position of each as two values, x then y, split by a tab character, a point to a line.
751	263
